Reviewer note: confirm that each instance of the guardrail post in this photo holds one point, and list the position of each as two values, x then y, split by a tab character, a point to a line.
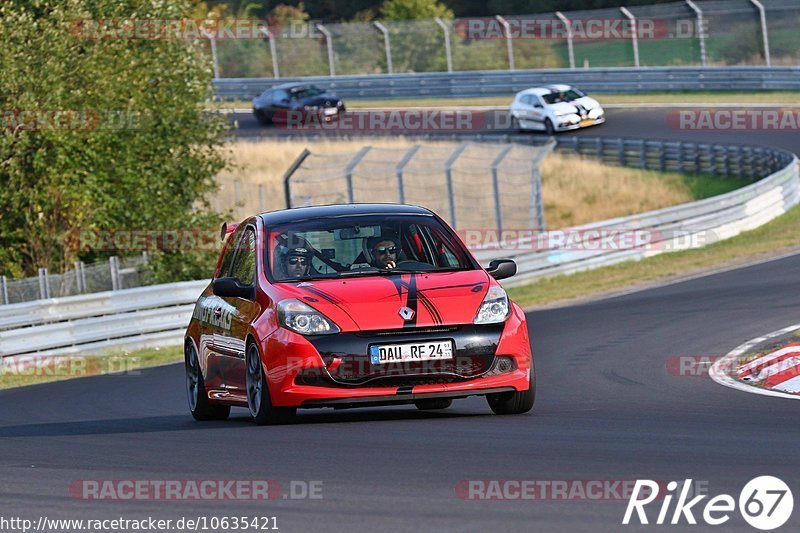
447	52
681	168
570	47
399	169
498	211
448	174
600	142
509	41
348	172
113	265
764	35
44	284
634	35
80	277
4	289
262	203
329	43
272	51
701	34
288	176
387	45
621	153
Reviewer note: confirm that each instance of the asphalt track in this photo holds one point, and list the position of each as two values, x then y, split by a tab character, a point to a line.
607	409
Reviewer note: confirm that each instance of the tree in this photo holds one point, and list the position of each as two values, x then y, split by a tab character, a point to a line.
102	132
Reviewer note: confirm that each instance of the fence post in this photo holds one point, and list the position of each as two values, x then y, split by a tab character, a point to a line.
764	34
448	173
80	279
329	43
387	45
44	284
113	265
272	51
214	58
348	172
4	287
509	41
498	211
447	52
400	167
634	35
570	48
600	141
642	154
621	153
701	34
288	175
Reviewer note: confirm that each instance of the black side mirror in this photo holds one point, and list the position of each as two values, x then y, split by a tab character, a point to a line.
233	288
538	106
502	268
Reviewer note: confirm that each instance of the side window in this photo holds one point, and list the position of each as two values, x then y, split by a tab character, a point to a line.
230	250
280	96
267	97
244	264
526	100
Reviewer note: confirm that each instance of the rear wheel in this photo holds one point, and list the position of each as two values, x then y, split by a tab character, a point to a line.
261	408
513	403
515	125
433	404
199	405
548	127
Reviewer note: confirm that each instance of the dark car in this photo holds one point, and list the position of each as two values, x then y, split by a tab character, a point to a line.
299	102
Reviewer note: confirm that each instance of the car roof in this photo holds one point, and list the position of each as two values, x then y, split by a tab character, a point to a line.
546	89
297	214
291	85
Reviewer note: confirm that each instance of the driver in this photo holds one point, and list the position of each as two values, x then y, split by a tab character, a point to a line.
383	251
297	262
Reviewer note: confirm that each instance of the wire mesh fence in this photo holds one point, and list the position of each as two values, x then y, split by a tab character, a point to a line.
471	185
115	274
717	32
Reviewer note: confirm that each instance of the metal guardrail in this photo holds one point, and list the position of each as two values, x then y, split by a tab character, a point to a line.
157	315
507	83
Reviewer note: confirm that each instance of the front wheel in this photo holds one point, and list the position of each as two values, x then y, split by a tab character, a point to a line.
513	403
199	405
261	408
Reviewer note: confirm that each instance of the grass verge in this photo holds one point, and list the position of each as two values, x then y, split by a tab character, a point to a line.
123	364
779	236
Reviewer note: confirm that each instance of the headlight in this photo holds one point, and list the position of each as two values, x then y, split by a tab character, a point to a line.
494	307
299	317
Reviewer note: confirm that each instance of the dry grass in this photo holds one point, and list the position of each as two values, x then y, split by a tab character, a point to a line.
576	191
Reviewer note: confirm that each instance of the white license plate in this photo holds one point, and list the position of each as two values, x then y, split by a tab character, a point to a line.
415	351
331	110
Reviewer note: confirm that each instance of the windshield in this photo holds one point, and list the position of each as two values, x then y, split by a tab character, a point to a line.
350	246
562	96
304	92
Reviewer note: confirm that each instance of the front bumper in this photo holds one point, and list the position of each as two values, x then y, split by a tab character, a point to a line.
585	123
335	370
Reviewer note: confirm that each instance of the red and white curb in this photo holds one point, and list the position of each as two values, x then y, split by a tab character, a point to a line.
779	370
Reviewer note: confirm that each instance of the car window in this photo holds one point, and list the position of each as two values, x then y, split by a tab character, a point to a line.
345	246
244	263
563	96
266	98
298	93
279	96
230	250
526	99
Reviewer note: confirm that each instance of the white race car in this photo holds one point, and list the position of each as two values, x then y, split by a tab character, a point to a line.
555	108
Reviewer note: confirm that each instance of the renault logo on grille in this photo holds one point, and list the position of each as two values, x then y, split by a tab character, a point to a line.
406	313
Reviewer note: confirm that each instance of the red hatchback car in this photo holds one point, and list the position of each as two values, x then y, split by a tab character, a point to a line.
351	306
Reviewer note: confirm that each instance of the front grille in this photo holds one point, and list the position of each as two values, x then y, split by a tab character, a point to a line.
408	331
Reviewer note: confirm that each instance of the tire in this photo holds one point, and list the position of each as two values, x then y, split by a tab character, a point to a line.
514	403
261	409
433	404
262	119
548	127
515	125
199	405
